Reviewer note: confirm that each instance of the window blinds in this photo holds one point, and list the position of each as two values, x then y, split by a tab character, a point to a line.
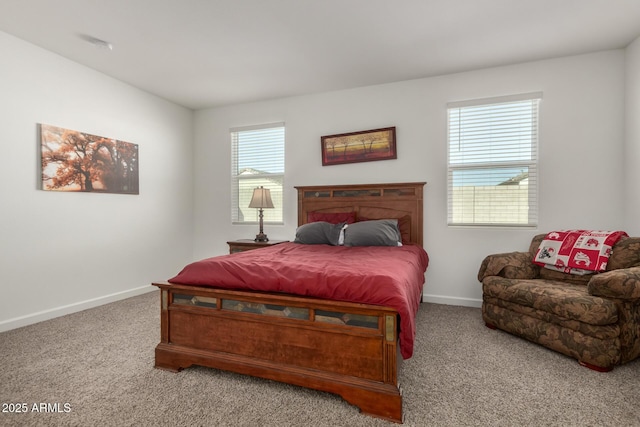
492	161
257	159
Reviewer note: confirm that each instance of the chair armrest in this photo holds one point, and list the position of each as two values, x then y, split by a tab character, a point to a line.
623	283
512	265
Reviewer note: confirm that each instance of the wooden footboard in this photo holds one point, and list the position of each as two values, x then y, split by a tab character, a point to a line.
342	348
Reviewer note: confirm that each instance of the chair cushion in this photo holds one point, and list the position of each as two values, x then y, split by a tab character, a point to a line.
567	300
553	275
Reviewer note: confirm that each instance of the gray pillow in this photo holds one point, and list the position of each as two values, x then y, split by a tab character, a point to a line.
379	232
319	233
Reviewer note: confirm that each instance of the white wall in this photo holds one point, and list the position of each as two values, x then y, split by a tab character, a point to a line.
632	147
62	252
581	150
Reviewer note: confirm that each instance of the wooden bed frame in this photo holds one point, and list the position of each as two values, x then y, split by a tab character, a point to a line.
293	339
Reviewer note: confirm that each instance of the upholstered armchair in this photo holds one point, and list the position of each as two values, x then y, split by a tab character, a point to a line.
593	318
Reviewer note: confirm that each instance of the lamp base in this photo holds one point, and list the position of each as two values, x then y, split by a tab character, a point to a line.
261	237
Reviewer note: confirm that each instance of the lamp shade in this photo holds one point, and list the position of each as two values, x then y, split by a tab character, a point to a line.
261	198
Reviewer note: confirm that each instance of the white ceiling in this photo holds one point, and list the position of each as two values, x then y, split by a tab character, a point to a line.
207	53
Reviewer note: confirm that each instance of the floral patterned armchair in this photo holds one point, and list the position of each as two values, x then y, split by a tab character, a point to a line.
593	318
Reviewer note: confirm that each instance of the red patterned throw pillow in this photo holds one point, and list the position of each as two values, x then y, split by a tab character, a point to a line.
332	217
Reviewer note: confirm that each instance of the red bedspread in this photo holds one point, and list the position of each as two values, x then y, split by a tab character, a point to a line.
378	275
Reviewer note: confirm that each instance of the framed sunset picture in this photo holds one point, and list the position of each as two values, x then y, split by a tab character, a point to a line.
363	146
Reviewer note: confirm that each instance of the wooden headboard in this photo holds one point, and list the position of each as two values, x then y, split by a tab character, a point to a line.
371	201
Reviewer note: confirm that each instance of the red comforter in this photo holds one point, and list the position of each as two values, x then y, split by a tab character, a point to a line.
378	275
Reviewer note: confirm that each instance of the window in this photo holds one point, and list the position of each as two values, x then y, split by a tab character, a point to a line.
492	161
257	157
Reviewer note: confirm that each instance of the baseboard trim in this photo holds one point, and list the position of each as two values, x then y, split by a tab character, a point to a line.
41	316
30	319
445	300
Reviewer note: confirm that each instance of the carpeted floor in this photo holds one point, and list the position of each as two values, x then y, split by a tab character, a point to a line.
95	368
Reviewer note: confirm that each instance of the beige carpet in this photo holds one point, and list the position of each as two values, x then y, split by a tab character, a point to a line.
96	369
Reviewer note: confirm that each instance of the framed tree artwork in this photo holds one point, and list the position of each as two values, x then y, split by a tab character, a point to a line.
81	162
363	146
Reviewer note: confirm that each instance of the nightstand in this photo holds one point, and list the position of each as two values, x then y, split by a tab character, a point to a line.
249	244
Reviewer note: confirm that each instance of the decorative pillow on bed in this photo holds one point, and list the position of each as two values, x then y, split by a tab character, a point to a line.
319	233
404	225
379	232
332	217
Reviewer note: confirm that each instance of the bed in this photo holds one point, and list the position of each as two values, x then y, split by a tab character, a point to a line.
296	335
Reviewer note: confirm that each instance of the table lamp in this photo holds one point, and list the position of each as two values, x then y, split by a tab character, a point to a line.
261	199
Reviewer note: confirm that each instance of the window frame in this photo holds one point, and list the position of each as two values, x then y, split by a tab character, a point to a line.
484	160
272	180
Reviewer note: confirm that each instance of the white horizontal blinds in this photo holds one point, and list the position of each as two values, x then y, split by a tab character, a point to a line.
492	161
257	158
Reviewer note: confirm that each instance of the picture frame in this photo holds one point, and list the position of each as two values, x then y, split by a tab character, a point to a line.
74	161
361	146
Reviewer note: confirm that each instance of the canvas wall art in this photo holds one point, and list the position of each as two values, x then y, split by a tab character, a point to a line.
81	162
363	146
